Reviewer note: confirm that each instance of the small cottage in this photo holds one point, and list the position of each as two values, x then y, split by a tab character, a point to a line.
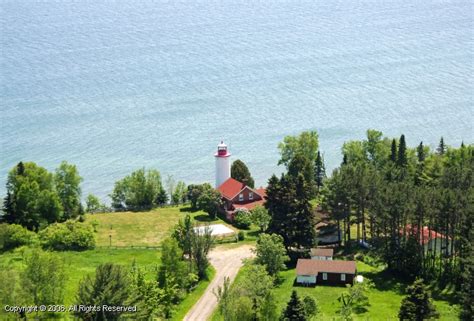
321	254
331	272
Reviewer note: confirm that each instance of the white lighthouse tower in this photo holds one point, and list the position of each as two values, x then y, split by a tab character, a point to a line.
222	164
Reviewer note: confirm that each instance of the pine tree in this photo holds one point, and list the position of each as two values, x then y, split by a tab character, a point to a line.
320	171
420	152
441	147
393	154
110	286
290	210
402	152
417	304
295	309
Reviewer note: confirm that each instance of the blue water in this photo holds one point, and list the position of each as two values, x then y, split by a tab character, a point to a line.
112	86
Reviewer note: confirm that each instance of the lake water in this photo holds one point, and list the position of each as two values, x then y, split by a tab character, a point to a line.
112	86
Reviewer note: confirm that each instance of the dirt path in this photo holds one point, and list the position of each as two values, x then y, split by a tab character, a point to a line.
227	262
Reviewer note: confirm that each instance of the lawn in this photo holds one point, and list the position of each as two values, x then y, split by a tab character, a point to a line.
143	228
385	297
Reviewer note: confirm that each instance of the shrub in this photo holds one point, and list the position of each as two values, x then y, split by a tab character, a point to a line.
69	235
243	219
14	235
241	236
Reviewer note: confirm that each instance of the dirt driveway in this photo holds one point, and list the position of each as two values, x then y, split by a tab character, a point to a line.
227	262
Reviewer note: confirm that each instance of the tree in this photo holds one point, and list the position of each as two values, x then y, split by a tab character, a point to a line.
306	144
145	294
310	307
183	233
179	195
110	286
201	244
417	304
240	172
295	309
210	201
94	205
161	197
67	181
242	218
68	236
31	200
271	253
261	217
44	278
319	171
291	216
355	299
137	191
172	268
402	152
441	147
393	154
195	191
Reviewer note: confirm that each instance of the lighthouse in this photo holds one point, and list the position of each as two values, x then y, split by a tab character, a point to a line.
222	164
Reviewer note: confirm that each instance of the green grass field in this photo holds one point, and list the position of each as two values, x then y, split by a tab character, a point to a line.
143	228
385	297
138	229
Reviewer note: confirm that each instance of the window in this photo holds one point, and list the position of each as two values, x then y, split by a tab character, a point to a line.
325	276
241	197
343	277
250	196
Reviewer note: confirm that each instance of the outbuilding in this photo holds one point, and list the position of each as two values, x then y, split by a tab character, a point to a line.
335	272
320	253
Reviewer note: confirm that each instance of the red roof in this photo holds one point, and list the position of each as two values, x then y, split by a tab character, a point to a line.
425	235
249	206
313	267
230	188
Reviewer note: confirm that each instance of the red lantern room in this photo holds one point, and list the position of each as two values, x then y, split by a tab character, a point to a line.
222	150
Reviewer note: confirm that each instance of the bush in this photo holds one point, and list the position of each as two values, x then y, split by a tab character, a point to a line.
243	219
70	235
241	236
14	235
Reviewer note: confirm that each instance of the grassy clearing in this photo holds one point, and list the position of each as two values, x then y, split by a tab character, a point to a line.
143	228
128	229
80	264
385	297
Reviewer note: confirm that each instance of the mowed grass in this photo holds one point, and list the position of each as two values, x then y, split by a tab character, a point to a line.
143	228
385	297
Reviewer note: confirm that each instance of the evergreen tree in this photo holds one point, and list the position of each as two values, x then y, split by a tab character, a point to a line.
417	304
402	152
240	172
295	309
161	197
110	286
393	153
290	210
441	147
320	171
420	153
